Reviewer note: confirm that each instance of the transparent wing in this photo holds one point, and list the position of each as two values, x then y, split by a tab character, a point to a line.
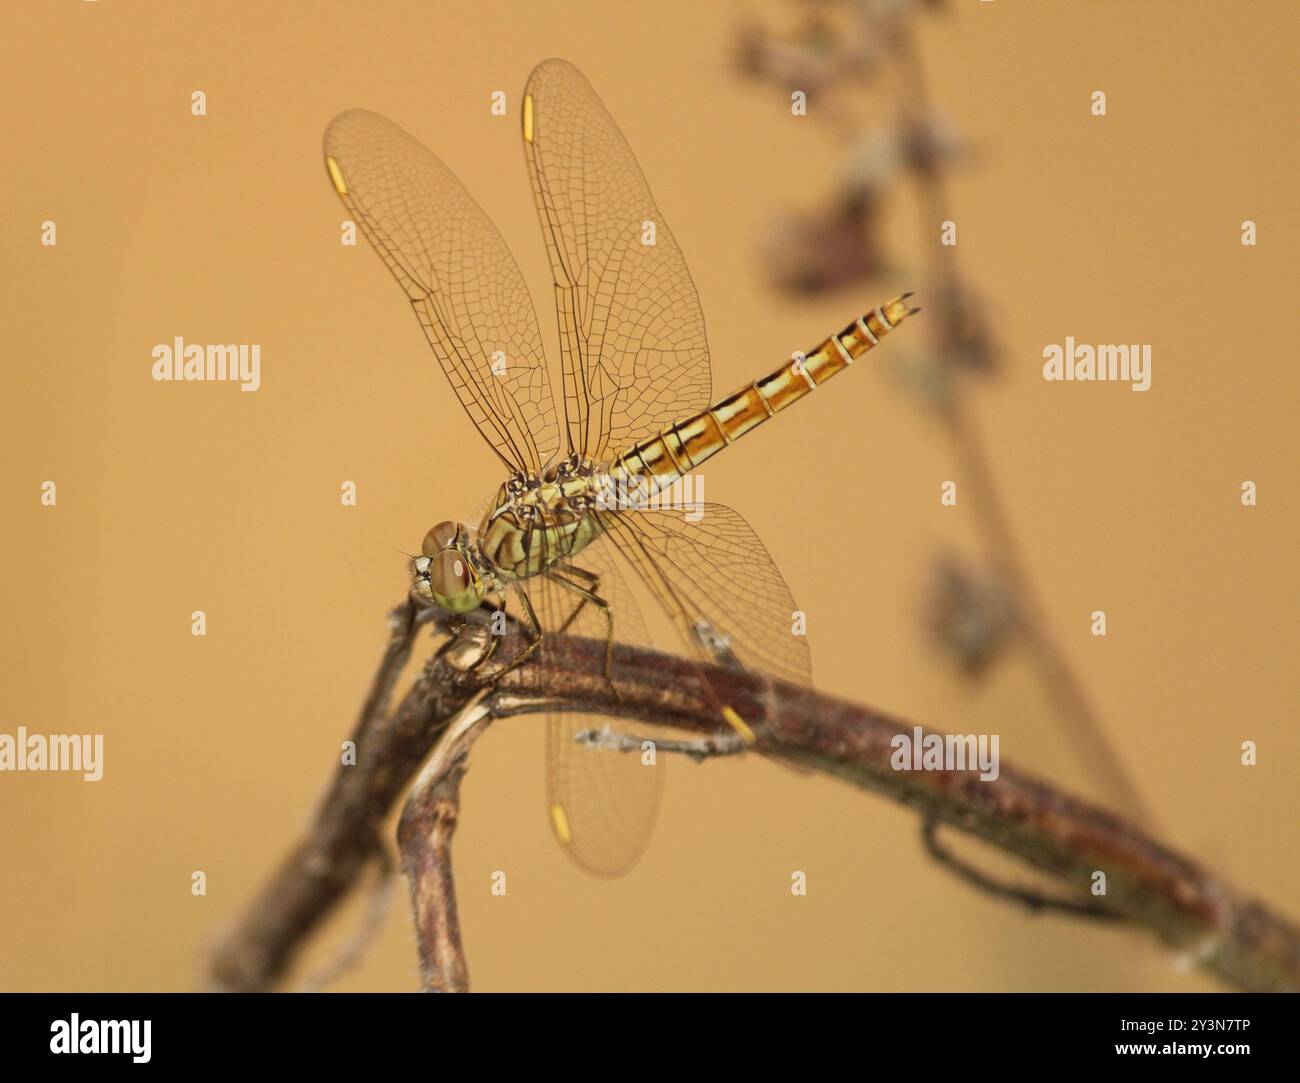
632	337
602	803
459	276
718	584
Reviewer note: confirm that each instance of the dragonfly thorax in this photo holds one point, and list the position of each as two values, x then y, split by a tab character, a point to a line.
538	521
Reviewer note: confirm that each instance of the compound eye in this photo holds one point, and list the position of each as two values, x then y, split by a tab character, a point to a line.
442	536
449	574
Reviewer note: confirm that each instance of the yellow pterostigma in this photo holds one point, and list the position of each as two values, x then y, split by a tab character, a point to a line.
738	724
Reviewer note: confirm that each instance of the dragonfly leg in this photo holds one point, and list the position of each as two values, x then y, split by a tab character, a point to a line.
533	629
585	574
493	641
592	581
589	595
568	621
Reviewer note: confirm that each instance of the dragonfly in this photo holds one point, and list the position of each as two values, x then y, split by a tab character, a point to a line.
588	502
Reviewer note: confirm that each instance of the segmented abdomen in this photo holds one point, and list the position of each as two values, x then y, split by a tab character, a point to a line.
689	443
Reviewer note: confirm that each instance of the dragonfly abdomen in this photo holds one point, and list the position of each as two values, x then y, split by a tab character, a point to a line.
689	443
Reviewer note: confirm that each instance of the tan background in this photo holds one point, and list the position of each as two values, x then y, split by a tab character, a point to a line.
181	497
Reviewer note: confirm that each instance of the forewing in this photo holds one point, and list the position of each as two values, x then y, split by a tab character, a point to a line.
632	337
459	276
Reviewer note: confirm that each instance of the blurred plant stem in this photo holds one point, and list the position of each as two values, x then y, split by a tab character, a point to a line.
834	51
1054	669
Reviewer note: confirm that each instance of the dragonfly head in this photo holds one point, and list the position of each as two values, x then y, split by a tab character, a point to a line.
444	573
